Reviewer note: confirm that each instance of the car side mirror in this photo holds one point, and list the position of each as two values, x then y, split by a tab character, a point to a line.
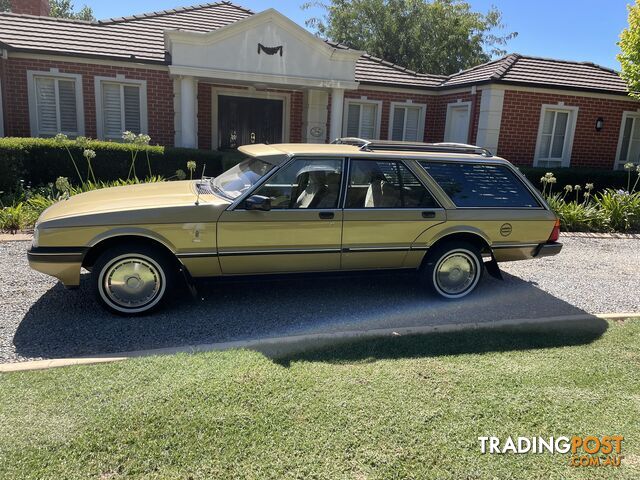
258	202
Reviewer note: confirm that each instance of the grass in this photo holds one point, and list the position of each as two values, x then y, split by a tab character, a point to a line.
405	407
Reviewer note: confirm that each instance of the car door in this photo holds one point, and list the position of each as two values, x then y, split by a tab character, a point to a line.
302	230
386	209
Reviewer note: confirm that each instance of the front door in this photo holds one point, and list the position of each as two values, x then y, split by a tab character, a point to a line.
301	232
244	120
386	209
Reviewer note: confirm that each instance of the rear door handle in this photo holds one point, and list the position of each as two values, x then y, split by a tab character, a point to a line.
326	215
428	214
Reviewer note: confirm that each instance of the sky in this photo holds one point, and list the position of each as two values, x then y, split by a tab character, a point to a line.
582	30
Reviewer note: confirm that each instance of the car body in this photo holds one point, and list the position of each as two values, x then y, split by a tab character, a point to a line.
353	205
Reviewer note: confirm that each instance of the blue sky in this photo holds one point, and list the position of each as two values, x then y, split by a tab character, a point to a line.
584	30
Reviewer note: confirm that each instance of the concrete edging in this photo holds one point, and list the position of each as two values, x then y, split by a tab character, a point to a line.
279	346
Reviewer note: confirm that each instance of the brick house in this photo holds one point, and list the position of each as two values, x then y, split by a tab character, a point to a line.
216	76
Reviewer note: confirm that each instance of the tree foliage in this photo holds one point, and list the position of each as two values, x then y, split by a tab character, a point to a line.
438	36
629	56
65	9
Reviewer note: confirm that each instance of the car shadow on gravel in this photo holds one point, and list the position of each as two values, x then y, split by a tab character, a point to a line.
64	323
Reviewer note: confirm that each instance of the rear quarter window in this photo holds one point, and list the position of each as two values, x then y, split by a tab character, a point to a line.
477	185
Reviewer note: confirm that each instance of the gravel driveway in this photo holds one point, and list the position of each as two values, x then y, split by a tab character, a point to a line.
40	319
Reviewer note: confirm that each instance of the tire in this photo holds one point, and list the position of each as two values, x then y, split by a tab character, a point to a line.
453	269
132	280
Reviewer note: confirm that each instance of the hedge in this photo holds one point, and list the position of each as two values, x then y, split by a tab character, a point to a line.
601	178
39	161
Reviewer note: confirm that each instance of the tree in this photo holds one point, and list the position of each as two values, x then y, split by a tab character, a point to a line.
438	36
629	56
65	9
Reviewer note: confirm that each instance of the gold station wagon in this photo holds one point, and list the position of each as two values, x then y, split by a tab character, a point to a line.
448	211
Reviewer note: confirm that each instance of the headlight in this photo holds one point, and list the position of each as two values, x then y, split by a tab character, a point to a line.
36	237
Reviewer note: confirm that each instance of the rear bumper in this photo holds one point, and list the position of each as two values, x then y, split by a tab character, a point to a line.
64	263
548	249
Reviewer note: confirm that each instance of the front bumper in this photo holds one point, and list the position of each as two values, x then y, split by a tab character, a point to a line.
548	249
64	263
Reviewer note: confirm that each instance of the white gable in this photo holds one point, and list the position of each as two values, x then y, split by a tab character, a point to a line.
264	48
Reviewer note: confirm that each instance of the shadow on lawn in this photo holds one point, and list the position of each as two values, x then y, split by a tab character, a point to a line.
65	323
532	336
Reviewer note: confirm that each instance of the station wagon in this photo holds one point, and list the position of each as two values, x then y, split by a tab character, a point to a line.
447	211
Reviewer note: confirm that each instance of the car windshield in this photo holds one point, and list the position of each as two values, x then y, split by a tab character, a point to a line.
237	180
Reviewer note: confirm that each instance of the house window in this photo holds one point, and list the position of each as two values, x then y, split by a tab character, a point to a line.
55	104
121	106
629	141
362	119
407	122
555	136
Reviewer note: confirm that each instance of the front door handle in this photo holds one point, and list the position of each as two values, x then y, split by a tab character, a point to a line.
428	214
326	215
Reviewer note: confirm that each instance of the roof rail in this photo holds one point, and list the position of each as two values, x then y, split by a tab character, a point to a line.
444	147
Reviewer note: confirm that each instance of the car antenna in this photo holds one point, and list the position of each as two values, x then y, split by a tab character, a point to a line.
201	176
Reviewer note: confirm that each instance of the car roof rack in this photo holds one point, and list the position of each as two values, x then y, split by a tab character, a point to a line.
395	146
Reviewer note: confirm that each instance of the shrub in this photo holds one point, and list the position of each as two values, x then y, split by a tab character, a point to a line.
13	218
601	179
39	161
620	209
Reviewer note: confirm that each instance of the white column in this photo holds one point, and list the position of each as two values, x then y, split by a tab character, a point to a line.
337	103
314	114
188	122
490	118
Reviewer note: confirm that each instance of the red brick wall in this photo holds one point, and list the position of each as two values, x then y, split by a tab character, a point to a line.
205	122
159	95
436	110
387	97
521	117
437	119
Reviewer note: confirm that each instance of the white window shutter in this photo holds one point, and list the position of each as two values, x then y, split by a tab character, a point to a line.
46	106
368	121
412	122
112	110
132	108
353	120
397	130
68	107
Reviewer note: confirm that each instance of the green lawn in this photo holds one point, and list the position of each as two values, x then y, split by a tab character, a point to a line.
405	407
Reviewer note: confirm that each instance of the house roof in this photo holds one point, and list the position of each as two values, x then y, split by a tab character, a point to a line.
543	72
141	38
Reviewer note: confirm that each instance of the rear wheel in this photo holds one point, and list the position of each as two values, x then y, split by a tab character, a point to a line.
132	280
453	270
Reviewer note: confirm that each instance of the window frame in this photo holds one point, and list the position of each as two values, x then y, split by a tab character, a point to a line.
362	101
516	173
347	176
1	112
122	81
237	204
54	74
421	119
447	122
567	147
618	164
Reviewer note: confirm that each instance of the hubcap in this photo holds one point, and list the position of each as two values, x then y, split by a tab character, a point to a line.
455	273
132	282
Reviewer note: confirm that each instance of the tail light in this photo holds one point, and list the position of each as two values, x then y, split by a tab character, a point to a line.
555	233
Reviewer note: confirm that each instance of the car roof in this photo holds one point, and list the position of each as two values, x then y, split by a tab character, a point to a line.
276	153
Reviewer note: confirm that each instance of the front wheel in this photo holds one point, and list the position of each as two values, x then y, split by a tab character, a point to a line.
131	280
453	270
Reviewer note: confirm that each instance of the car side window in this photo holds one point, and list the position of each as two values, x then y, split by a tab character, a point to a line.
305	183
478	185
385	184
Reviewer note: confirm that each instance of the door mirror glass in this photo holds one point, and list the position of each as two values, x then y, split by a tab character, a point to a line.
258	202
